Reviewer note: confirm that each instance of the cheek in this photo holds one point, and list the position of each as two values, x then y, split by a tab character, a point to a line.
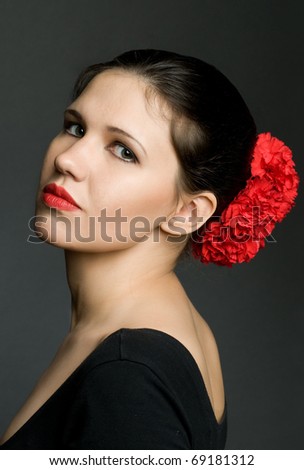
46	170
47	167
144	194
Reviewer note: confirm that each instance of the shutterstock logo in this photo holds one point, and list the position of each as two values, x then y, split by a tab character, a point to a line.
110	228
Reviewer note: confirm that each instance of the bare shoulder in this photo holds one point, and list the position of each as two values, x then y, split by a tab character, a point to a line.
201	343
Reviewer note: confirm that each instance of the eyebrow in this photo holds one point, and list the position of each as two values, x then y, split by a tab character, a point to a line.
109	128
73	112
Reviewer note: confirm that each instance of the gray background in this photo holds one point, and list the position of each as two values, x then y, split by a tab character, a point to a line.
254	309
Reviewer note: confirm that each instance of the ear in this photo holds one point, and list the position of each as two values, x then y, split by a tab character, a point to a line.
191	213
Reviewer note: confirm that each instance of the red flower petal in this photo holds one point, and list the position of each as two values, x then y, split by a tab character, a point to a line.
267	198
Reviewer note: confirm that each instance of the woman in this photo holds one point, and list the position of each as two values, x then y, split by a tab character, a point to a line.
153	146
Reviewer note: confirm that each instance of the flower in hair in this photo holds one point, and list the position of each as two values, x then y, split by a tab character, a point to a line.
268	196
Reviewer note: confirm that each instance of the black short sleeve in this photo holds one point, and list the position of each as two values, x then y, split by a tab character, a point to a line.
124	405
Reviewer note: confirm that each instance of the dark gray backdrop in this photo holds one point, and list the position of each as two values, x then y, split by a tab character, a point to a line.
254	309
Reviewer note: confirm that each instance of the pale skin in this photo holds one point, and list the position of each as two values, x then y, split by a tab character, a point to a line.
126	284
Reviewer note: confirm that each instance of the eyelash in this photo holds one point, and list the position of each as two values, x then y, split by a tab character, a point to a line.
68	124
134	158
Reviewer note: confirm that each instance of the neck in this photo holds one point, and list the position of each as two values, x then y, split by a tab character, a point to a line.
106	287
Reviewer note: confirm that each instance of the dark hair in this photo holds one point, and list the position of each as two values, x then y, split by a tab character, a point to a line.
212	130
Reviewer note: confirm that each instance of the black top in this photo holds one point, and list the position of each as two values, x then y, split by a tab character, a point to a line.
139	389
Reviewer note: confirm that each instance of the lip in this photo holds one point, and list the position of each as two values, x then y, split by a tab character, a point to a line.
58	197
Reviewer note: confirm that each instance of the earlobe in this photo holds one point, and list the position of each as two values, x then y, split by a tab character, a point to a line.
192	215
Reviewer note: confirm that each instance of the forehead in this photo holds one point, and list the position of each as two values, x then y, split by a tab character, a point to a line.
125	94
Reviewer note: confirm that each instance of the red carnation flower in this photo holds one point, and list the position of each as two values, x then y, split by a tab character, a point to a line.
267	198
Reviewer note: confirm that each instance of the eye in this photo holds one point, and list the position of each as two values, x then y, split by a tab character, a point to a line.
123	152
74	129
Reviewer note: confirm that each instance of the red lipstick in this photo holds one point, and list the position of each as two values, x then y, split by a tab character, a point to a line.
58	197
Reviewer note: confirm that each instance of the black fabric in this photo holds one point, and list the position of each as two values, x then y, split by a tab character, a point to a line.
139	389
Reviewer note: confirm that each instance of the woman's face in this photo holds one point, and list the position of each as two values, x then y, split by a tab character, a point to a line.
115	160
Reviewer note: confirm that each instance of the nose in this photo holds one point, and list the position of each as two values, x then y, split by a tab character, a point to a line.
73	161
